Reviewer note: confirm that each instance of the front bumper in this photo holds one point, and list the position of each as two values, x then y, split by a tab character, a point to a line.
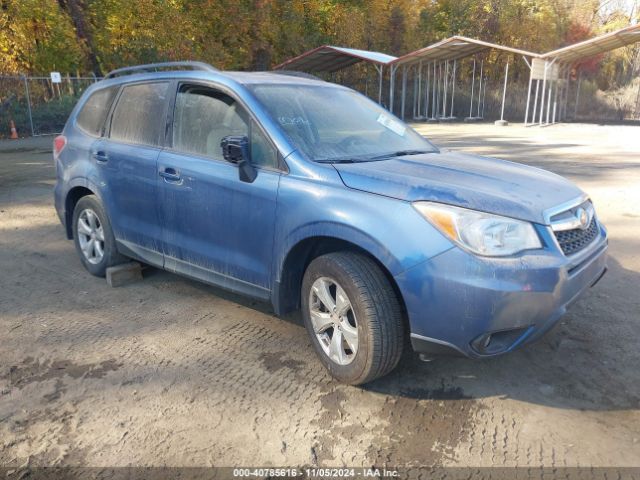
462	304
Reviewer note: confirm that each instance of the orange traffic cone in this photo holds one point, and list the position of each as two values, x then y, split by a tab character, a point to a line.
14	132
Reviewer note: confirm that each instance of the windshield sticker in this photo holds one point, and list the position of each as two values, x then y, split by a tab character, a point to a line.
393	125
293	121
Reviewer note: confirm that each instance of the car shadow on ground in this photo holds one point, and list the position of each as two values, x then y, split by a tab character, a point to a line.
575	366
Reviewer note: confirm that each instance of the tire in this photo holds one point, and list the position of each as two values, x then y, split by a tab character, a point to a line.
375	315
99	230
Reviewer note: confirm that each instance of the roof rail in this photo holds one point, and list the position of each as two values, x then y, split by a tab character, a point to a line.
154	67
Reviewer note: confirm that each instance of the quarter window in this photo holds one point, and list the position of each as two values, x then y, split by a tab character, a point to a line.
262	152
94	111
203	117
139	115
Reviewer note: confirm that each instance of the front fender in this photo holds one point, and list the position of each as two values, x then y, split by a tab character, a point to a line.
339	231
389	229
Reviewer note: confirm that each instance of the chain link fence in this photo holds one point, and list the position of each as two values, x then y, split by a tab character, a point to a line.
36	105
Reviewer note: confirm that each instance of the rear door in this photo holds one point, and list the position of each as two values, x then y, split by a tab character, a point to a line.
128	157
216	227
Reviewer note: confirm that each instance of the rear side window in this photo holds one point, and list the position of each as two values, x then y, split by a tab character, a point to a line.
139	114
94	111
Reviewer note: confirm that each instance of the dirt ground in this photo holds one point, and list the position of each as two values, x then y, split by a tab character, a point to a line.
172	372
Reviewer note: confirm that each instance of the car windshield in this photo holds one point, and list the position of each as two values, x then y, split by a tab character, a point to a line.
330	124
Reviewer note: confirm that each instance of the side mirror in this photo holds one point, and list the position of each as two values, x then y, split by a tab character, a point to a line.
235	149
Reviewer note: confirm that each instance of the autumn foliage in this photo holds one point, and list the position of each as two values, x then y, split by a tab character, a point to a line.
83	36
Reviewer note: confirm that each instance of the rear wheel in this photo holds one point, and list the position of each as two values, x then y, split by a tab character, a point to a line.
353	317
93	236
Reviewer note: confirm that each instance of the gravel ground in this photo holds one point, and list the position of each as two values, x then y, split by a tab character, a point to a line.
172	372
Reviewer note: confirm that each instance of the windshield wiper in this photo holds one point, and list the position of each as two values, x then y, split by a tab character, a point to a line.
339	160
400	153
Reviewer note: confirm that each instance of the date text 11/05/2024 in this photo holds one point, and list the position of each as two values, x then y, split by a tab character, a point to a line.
315	472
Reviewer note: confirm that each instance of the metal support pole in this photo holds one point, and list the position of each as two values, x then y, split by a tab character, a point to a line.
26	88
392	86
426	91
549	101
433	93
415	84
504	90
565	91
445	85
442	88
379	68
526	111
535	103
484	96
366	83
404	90
575	108
544	86
414	96
439	96
473	84
442	91
419	88
480	86
555	100
436	99
565	97
559	93
453	86
637	108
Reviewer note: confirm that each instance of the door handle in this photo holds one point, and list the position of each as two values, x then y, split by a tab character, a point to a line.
170	175
100	156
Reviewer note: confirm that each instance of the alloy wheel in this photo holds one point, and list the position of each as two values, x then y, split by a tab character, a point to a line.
90	236
334	321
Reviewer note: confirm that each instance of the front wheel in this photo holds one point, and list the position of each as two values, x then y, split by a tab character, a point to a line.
353	317
93	236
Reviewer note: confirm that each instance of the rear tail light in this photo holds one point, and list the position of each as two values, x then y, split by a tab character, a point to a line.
58	145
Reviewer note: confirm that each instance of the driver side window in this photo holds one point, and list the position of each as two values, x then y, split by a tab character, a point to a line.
203	117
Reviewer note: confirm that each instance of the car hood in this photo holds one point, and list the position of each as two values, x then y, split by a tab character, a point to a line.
480	183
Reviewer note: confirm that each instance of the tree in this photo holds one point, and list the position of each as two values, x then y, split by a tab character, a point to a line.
396	30
75	10
37	38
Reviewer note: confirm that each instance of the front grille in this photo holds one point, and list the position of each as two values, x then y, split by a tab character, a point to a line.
572	241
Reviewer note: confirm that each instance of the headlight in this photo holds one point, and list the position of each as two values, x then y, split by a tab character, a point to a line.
482	233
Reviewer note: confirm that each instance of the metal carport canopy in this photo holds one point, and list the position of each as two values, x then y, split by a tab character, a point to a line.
450	49
455	48
594	46
330	59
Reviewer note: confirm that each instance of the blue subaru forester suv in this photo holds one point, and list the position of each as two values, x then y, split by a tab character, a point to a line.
307	194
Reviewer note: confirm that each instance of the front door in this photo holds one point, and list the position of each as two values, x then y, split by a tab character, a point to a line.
216	227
